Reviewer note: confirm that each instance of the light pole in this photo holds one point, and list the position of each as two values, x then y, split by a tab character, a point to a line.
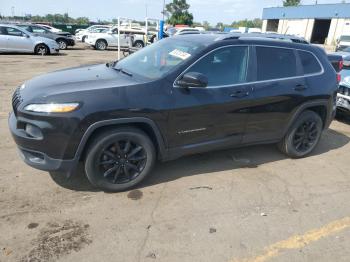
163	9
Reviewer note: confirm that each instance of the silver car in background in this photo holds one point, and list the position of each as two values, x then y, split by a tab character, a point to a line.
18	40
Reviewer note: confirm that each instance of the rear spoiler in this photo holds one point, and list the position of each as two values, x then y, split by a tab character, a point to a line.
336	61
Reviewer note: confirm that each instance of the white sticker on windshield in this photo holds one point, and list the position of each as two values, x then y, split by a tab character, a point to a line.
180	54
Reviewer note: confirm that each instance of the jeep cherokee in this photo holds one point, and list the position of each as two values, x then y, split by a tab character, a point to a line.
179	96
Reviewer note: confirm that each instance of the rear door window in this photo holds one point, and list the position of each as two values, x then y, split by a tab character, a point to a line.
275	63
309	62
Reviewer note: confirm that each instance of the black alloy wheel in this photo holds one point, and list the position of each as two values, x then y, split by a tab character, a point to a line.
303	136
119	159
122	161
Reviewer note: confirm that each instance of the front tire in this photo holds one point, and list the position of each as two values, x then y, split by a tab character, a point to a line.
139	44
303	136
101	45
41	49
62	44
119	159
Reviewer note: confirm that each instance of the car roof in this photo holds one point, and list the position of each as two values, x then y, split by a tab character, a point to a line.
214	37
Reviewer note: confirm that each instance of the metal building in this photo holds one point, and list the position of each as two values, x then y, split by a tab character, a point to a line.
319	24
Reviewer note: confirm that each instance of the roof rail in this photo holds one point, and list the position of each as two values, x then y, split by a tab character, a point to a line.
290	38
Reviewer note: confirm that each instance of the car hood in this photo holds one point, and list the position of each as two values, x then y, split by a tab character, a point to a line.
46	40
74	80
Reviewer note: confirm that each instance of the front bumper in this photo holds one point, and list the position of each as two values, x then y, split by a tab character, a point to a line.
54	50
31	153
71	42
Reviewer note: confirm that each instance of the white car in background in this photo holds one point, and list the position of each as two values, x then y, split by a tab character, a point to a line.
103	40
50	28
80	34
187	30
18	40
96	30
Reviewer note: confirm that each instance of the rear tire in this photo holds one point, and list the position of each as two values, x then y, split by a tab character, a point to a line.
303	136
41	49
101	45
119	159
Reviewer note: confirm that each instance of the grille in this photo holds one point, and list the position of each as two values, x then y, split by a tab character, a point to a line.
344	90
16	100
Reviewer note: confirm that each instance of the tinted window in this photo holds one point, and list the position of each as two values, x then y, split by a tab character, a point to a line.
38	30
275	63
26	27
225	66
345	38
3	31
309	62
14	31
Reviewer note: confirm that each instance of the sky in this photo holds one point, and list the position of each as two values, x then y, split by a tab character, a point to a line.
212	11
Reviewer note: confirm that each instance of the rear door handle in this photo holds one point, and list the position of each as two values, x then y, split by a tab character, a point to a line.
300	87
240	93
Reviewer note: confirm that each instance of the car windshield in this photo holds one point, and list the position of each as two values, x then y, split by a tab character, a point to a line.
345	38
155	61
347	49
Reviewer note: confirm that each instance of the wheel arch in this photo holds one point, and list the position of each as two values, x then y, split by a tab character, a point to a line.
321	107
102	39
139	41
42	43
144	124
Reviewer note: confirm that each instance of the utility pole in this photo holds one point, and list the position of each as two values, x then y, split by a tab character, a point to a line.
163	12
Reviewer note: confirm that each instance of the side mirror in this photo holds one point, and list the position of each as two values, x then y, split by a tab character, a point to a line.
27	36
193	79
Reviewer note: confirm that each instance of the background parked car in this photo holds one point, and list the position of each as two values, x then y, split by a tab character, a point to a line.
103	40
63	40
343	98
16	39
50	28
80	34
343	42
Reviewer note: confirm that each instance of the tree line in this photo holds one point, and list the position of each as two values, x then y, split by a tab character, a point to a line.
177	12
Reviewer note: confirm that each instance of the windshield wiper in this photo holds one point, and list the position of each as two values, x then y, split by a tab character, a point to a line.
121	70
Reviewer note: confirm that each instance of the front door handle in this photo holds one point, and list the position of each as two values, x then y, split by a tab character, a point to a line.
300	87
240	93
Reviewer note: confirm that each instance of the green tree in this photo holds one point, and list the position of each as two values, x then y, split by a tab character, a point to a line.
82	20
178	13
291	3
206	25
220	25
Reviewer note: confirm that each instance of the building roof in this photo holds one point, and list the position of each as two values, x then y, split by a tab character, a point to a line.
325	11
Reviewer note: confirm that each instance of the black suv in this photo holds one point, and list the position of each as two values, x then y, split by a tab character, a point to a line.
179	96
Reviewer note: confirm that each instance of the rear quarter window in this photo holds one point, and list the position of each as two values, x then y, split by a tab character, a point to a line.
309	62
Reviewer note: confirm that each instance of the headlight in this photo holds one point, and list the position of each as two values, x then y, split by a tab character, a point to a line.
52	108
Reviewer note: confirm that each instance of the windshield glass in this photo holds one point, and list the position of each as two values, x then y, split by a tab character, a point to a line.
158	59
345	38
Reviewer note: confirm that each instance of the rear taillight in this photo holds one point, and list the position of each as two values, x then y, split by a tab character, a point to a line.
338	78
341	65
